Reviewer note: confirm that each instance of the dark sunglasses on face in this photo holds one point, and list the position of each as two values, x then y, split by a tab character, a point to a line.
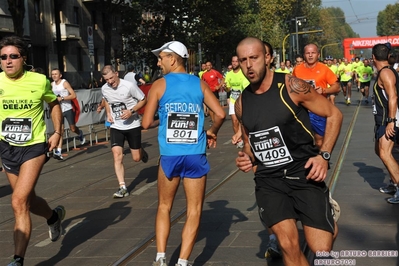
11	56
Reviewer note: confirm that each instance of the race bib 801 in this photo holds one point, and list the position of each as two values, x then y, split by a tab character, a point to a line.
182	128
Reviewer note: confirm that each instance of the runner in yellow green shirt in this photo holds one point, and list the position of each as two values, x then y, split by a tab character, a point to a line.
357	64
23	145
365	73
236	82
345	72
334	69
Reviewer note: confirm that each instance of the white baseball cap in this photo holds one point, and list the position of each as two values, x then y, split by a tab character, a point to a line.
173	46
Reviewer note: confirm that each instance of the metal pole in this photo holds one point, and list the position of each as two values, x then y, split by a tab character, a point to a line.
285	38
296	30
199	55
60	51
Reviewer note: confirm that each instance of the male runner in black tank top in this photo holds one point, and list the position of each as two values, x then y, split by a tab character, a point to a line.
386	103
290	170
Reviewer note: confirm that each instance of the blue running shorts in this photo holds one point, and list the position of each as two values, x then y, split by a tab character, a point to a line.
318	123
190	166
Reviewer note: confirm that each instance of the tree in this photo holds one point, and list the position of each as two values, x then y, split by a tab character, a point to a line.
387	20
17	10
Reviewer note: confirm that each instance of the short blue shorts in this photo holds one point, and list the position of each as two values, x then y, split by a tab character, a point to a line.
190	166
318	123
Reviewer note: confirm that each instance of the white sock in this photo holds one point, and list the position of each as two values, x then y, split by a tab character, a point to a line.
58	150
272	237
160	255
182	262
122	185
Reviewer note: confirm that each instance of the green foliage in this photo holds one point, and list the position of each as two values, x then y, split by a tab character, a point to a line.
219	25
388	20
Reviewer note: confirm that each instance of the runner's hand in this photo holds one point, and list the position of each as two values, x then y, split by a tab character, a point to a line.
243	162
318	168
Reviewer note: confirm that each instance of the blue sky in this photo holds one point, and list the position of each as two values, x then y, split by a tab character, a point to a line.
361	15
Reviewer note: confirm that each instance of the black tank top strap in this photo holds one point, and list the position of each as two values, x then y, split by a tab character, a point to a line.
379	71
279	79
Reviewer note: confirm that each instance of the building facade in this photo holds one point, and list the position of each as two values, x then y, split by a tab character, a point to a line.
68	35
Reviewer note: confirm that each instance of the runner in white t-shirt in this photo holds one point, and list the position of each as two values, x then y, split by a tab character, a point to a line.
122	101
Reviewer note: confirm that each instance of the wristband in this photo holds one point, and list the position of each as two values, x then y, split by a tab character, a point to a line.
56	132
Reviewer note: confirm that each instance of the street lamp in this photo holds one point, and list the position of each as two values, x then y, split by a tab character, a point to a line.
298	23
301	32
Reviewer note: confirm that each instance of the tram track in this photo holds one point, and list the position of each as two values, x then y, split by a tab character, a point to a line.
66	167
336	172
123	260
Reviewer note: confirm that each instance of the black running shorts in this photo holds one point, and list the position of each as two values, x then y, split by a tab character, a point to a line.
365	84
279	199
133	137
13	157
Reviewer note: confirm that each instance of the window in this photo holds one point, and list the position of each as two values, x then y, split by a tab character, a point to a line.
64	63
96	61
114	22
79	59
94	19
38	12
76	19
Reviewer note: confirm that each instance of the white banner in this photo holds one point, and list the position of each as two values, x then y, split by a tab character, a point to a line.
88	103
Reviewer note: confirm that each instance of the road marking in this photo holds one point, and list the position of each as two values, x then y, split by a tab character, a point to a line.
227	142
142	189
65	231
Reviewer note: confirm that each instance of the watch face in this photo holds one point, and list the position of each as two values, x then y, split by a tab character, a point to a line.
326	155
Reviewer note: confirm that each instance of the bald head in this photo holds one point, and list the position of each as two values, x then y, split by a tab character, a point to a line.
253	42
253	60
311	46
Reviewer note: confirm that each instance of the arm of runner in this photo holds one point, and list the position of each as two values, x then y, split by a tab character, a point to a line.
212	103
108	111
245	160
387	78
302	93
157	89
72	94
56	117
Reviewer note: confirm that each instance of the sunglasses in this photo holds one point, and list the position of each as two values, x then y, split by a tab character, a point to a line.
11	56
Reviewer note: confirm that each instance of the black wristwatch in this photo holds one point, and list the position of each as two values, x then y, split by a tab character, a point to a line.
325	154
390	119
